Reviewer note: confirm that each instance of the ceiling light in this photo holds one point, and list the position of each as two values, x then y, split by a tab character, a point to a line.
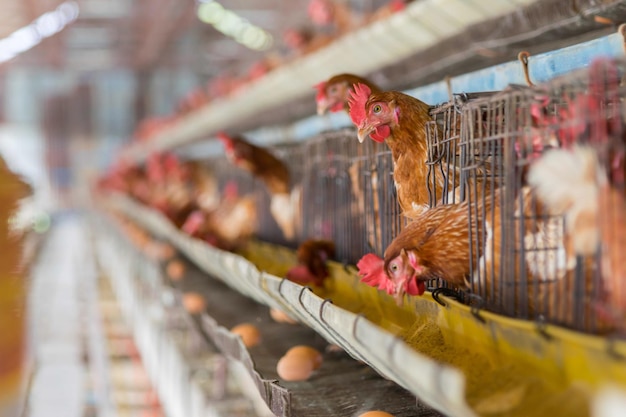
49	24
45	26
69	11
23	39
210	12
233	25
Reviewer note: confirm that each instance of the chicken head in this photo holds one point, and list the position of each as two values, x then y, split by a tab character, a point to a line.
371	117
404	270
397	276
331	96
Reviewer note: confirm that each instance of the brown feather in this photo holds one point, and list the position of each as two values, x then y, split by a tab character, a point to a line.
409	149
313	254
440	239
262	164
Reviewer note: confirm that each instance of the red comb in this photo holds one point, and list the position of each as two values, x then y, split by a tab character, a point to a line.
229	145
320	12
415	287
357	100
300	274
224	137
171	163
397	5
321	91
154	168
371	270
193	222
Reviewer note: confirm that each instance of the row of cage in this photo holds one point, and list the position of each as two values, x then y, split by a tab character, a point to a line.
490	141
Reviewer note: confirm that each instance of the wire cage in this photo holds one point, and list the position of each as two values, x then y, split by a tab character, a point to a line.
331	208
443	135
293	156
226	176
390	221
524	260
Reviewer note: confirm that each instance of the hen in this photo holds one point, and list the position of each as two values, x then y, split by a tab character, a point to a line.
525	268
170	190
585	184
573	184
435	245
285	202
203	185
333	94
312	256
399	120
228	225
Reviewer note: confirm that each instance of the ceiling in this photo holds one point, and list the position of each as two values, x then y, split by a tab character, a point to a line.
145	34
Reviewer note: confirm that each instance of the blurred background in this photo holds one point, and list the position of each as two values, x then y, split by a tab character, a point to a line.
85	84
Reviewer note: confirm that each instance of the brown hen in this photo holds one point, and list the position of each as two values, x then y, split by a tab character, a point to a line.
333	94
285	201
435	245
399	120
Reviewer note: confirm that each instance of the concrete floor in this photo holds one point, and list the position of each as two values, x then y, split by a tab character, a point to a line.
74	373
57	301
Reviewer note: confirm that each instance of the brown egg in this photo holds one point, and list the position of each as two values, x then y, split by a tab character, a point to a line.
308	352
249	334
194	302
375	414
295	367
141	239
166	251
175	269
281	317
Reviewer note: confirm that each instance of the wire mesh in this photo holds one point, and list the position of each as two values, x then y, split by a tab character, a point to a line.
293	156
330	209
484	144
443	136
523	263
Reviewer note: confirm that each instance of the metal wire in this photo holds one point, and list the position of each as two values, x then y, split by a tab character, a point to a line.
505	134
483	145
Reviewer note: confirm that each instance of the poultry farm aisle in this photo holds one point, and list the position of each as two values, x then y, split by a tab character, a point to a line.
58	281
71	369
62	283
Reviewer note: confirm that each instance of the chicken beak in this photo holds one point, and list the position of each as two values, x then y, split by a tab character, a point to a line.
399	298
399	292
363	132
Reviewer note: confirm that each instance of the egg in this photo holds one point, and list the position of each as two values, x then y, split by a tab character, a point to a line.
249	334
281	317
141	239
166	251
307	352
295	367
175	269
375	413
194	302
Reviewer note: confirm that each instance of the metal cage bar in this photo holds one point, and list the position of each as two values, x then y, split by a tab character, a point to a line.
538	276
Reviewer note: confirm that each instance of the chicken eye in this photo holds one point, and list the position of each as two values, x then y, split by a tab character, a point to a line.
377	108
394	267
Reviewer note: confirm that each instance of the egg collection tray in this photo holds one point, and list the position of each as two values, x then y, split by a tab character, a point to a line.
342	386
458	360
